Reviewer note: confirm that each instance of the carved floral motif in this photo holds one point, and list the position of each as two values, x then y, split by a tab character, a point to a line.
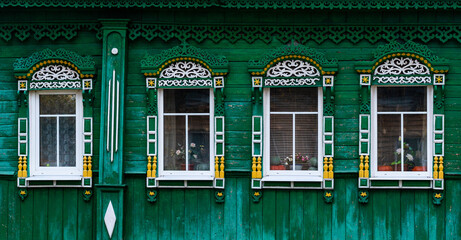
185	70
402	66
293	68
55	72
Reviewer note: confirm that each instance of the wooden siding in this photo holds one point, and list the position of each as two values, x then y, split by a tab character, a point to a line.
57	213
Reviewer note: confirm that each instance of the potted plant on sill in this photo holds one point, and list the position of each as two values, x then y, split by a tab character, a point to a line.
408	158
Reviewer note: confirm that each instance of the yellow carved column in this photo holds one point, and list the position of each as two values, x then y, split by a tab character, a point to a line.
325	168
20	167
149	166
253	167
24	167
154	167
216	166
90	171
85	167
367	167
361	167
258	168
331	168
221	173
436	172
440	167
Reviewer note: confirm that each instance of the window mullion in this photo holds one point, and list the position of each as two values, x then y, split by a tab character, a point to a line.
402	153
294	141
57	141
187	142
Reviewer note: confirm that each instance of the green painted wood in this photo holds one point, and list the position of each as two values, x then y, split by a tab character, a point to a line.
338	210
55	206
230	211
164	228
86	217
243	208
282	211
310	203
177	214
69	213
379	201
4	197
40	219
269	214
296	225
407	204
14	213
191	215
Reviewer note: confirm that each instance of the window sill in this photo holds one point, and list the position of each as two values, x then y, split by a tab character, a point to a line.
289	182
50	181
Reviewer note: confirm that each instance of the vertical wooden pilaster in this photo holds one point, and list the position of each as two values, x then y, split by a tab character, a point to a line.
110	189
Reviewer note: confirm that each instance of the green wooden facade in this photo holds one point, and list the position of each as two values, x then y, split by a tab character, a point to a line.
348	34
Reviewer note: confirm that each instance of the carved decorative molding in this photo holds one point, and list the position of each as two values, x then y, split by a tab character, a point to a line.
55	72
185	70
402	66
24	64
185	83
55	85
402	80
233	33
290	82
238	4
293	68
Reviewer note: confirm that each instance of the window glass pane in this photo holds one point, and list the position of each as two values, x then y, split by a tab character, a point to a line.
281	142
175	143
57	104
388	142
415	142
293	99
199	143
48	142
306	137
67	142
401	99
187	100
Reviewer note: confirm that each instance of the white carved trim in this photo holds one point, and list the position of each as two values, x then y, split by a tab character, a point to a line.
290	82
55	72
402	66
293	68
55	85
186	83
185	70
403	79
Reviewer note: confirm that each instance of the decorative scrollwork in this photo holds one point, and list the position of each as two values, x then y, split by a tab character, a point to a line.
293	68
86	62
55	72
402	66
55	85
238	4
186	83
403	79
290	82
185	70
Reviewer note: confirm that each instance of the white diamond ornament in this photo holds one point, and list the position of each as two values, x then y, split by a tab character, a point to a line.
110	219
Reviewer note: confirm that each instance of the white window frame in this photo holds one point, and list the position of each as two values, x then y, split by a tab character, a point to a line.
179	174
34	117
401	175
292	175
